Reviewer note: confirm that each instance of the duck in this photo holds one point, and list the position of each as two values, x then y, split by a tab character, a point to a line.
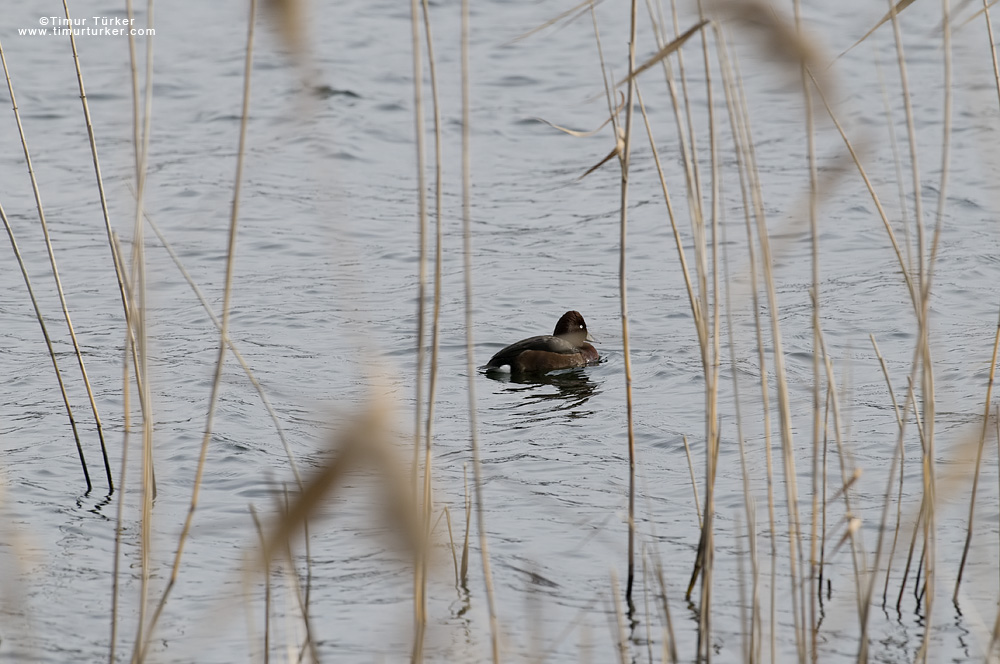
565	348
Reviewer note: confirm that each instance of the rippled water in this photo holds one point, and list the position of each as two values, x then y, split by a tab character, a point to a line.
325	296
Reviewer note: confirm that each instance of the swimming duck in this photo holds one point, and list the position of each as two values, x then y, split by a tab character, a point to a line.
565	348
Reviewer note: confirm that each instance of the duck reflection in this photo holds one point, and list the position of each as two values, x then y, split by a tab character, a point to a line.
573	389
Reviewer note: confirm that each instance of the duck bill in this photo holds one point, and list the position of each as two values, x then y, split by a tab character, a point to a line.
591	338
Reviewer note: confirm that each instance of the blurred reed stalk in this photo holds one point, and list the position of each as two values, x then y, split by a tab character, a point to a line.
223	334
134	290
470	351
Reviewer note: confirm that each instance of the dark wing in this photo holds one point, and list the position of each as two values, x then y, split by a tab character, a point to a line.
546	342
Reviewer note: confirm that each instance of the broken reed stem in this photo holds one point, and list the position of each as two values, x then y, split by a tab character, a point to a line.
979	459
469	349
678	242
464	569
623	299
694	482
55	275
224	331
451	543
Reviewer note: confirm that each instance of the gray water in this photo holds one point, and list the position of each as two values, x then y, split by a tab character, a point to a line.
325	298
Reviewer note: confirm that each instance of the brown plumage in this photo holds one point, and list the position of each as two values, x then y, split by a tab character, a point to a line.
565	348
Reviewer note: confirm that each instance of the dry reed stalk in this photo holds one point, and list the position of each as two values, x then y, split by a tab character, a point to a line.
267	587
706	344
419	605
119	517
993	48
647	621
739	120
845	479
464	569
910	284
661	57
979	459
107	224
427	498
301	595
752	648
891	14
823	489
896	161
678	243
136	327
572	13
688	115
669	641
624	158
128	354
619	136
810	599
930	486
897	458
900	452
620	636
910	134
421	159
55	276
787	439
712	364
45	335
223	333
469	347
911	398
